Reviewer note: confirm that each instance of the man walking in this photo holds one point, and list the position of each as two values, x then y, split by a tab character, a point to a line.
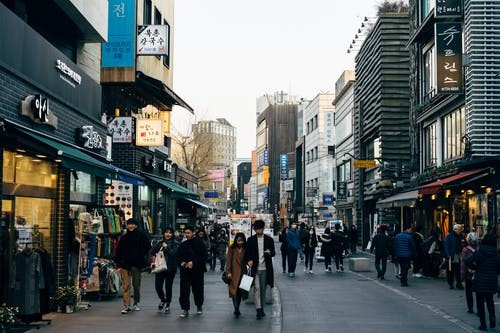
380	244
404	249
258	255
131	253
293	241
452	252
192	257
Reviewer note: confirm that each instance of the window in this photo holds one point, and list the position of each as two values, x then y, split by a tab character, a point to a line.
430	145
454	130
343	128
316	121
429	73
157	20
426	8
147	12
316	152
344	172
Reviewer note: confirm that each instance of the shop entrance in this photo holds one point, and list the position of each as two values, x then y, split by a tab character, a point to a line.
7	247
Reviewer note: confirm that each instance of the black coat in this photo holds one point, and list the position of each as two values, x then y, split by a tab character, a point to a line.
339	240
381	244
252	253
314	241
326	244
486	262
193	250
132	249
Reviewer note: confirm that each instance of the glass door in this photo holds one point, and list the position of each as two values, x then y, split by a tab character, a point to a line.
7	247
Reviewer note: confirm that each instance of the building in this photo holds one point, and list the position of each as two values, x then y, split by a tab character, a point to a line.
318	137
344	147
381	120
455	102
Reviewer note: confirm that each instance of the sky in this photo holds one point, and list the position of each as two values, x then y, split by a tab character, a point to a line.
227	53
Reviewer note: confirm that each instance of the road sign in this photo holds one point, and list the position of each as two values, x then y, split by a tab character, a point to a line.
363	164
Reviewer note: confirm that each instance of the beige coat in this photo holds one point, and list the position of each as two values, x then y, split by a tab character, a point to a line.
235	264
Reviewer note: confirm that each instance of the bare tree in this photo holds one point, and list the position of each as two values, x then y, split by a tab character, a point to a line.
388	6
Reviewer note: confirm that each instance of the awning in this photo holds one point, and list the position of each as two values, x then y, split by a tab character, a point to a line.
404	199
177	191
71	156
160	91
128	177
435	187
197	203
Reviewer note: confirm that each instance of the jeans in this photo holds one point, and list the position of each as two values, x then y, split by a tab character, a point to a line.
131	275
191	281
309	253
378	260
260	285
164	278
481	298
292	260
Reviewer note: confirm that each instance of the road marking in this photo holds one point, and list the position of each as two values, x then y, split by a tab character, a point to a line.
415	300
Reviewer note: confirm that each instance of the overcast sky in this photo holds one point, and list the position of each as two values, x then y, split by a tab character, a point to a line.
229	52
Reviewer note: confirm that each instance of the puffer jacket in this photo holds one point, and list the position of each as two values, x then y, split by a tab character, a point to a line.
404	246
486	262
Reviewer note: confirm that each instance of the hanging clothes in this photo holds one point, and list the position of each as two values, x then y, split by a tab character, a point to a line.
48	278
26	281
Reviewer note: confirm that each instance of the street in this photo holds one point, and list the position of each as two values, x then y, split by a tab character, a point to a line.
321	302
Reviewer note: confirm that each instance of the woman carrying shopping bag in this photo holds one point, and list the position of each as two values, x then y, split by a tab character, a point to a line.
168	246
235	268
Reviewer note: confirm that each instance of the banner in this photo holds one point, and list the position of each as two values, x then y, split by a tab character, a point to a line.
449	58
119	51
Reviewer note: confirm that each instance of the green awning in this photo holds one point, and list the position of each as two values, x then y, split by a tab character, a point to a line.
72	157
177	191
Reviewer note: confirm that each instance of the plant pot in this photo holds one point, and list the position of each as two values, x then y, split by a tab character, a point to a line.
70	308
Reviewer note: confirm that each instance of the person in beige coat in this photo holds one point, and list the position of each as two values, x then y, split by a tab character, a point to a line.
235	268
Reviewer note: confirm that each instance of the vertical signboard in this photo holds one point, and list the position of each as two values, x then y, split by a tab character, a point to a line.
342	191
119	51
448	8
329	127
283	166
449	58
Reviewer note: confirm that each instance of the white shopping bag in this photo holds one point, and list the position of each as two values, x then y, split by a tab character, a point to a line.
160	263
246	282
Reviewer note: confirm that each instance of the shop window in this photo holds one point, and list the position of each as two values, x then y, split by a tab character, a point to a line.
454	130
27	170
430	145
82	182
429	73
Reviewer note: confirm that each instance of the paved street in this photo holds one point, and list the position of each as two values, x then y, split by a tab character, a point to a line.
323	302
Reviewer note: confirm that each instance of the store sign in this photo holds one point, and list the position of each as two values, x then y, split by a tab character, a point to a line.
449	58
364	164
289	205
328	199
90	138
167	166
329	126
119	50
149	132
342	191
67	74
288	184
211	194
283	166
121	129
152	40
266	157
37	108
448	8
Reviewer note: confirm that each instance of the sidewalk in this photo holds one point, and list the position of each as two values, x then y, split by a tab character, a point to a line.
433	294
217	313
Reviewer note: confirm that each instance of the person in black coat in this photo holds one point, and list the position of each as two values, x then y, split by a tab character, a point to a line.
261	264
338	240
131	253
168	245
486	263
326	240
283	247
380	244
309	244
192	257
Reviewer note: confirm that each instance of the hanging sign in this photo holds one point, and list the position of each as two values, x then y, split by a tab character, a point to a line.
149	132
449	58
152	40
448	8
121	129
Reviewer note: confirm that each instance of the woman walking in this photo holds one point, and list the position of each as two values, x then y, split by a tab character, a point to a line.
327	249
235	268
283	248
309	244
168	245
486	263
466	274
222	243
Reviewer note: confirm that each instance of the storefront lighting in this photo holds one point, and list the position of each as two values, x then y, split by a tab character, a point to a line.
469	192
21	150
433	197
36	160
58	160
462	191
447	193
40	156
117	112
19	155
489	190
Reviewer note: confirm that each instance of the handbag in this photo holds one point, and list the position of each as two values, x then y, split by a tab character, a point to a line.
246	281
160	264
225	279
97	226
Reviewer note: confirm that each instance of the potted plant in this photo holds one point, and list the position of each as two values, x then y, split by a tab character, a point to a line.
66	298
7	317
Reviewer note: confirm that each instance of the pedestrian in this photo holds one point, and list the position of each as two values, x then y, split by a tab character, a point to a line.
222	243
380	244
327	249
212	255
394	259
235	268
466	274
418	238
258	254
452	252
192	257
293	241
404	249
431	250
338	240
303	232
283	247
131	253
168	245
353	238
486	263
347	239
309	245
202	235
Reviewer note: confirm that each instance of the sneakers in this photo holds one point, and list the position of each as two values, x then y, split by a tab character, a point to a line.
418	275
342	268
305	270
184	314
136	307
338	270
260	313
126	309
291	275
166	309
160	306
311	272
199	310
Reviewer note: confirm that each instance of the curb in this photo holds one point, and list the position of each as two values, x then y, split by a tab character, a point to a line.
277	314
